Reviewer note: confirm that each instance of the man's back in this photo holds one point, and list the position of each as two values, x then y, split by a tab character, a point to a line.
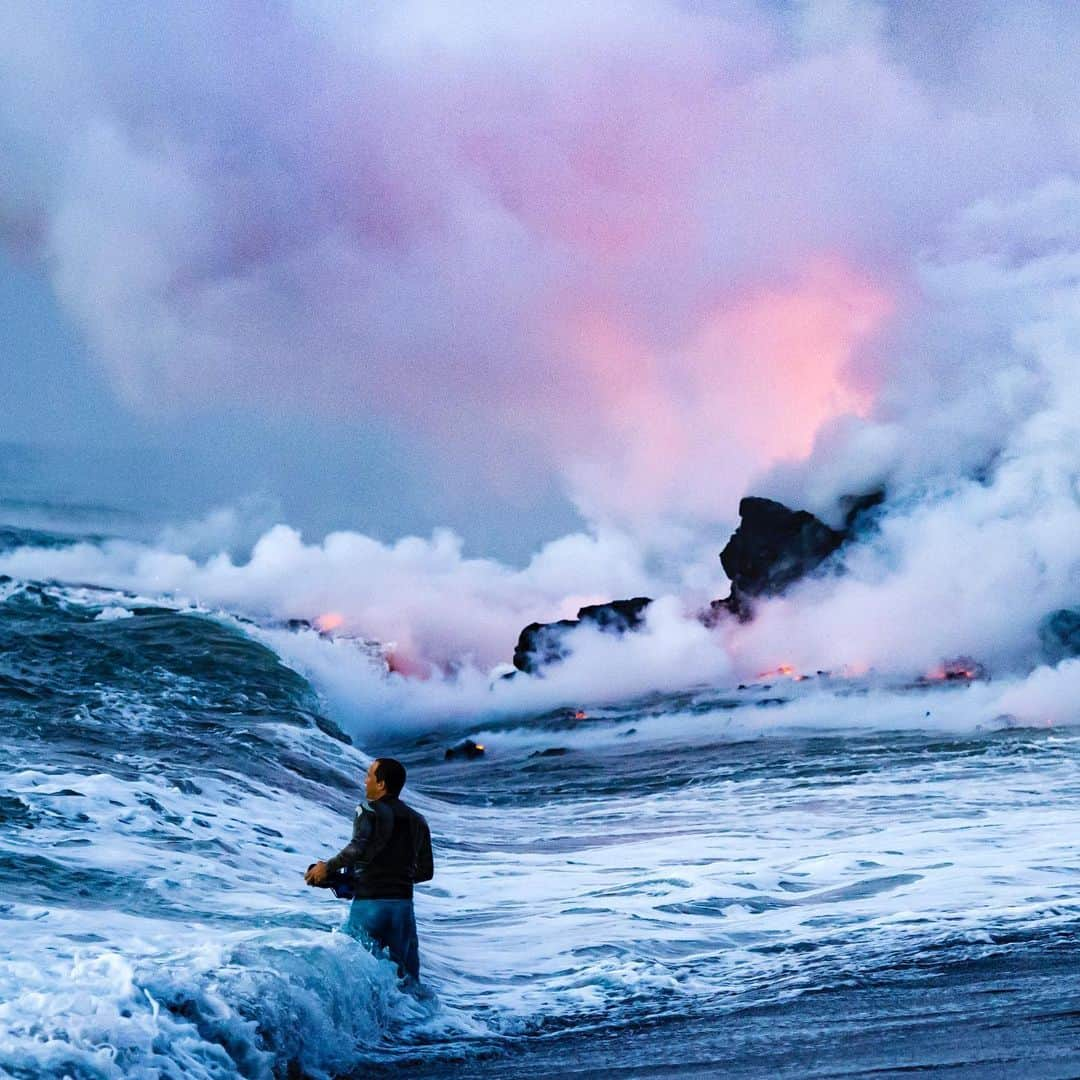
393	864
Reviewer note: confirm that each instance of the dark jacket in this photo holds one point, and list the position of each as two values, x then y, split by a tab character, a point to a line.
390	849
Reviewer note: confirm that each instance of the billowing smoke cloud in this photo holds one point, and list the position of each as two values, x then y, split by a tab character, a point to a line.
981	449
424	596
652	243
676	250
443	620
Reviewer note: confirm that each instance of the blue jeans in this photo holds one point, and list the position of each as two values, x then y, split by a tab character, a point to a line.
390	925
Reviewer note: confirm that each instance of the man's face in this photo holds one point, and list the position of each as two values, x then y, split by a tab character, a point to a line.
373	789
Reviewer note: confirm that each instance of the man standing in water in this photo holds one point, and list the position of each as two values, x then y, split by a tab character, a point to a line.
389	852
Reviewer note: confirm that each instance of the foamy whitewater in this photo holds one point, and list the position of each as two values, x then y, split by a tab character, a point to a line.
310	266
685	857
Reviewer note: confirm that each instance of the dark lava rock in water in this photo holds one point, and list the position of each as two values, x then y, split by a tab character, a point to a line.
466	749
1059	634
540	644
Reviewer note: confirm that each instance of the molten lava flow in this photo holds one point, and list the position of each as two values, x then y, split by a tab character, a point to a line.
784	671
960	669
329	621
580	715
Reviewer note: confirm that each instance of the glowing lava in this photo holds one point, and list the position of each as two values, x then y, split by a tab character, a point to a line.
784	671
961	669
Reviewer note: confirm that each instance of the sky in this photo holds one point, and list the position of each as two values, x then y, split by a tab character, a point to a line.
536	272
73	454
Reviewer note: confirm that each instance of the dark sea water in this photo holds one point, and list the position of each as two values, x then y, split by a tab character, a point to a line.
822	879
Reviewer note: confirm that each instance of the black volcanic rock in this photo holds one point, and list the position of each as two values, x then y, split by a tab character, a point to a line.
466	749
618	615
540	644
860	512
771	549
1059	634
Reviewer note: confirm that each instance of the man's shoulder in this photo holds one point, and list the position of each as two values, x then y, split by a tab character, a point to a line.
402	807
379	814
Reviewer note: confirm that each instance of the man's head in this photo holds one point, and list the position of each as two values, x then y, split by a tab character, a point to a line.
385	776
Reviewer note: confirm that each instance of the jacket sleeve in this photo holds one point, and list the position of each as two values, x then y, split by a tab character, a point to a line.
372	828
425	869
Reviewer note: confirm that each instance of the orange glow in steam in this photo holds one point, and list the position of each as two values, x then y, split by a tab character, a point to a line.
400	662
328	622
788	348
753	385
784	671
960	669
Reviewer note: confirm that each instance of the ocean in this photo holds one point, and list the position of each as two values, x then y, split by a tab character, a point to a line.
835	875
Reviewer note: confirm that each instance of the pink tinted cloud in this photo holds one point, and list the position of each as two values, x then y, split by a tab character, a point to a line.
753	383
638	241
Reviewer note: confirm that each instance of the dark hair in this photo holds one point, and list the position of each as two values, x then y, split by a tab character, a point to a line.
391	773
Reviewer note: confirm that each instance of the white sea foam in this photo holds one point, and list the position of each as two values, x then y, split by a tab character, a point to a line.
576	909
196	945
193	943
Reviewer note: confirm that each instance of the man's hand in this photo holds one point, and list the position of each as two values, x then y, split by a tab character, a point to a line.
316	874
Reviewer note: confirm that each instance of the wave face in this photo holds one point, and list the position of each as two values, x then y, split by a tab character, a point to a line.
693	856
165	778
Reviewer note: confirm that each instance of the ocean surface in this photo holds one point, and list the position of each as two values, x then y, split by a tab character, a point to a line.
789	878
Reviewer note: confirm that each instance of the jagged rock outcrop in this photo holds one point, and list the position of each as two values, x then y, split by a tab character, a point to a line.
540	644
773	547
